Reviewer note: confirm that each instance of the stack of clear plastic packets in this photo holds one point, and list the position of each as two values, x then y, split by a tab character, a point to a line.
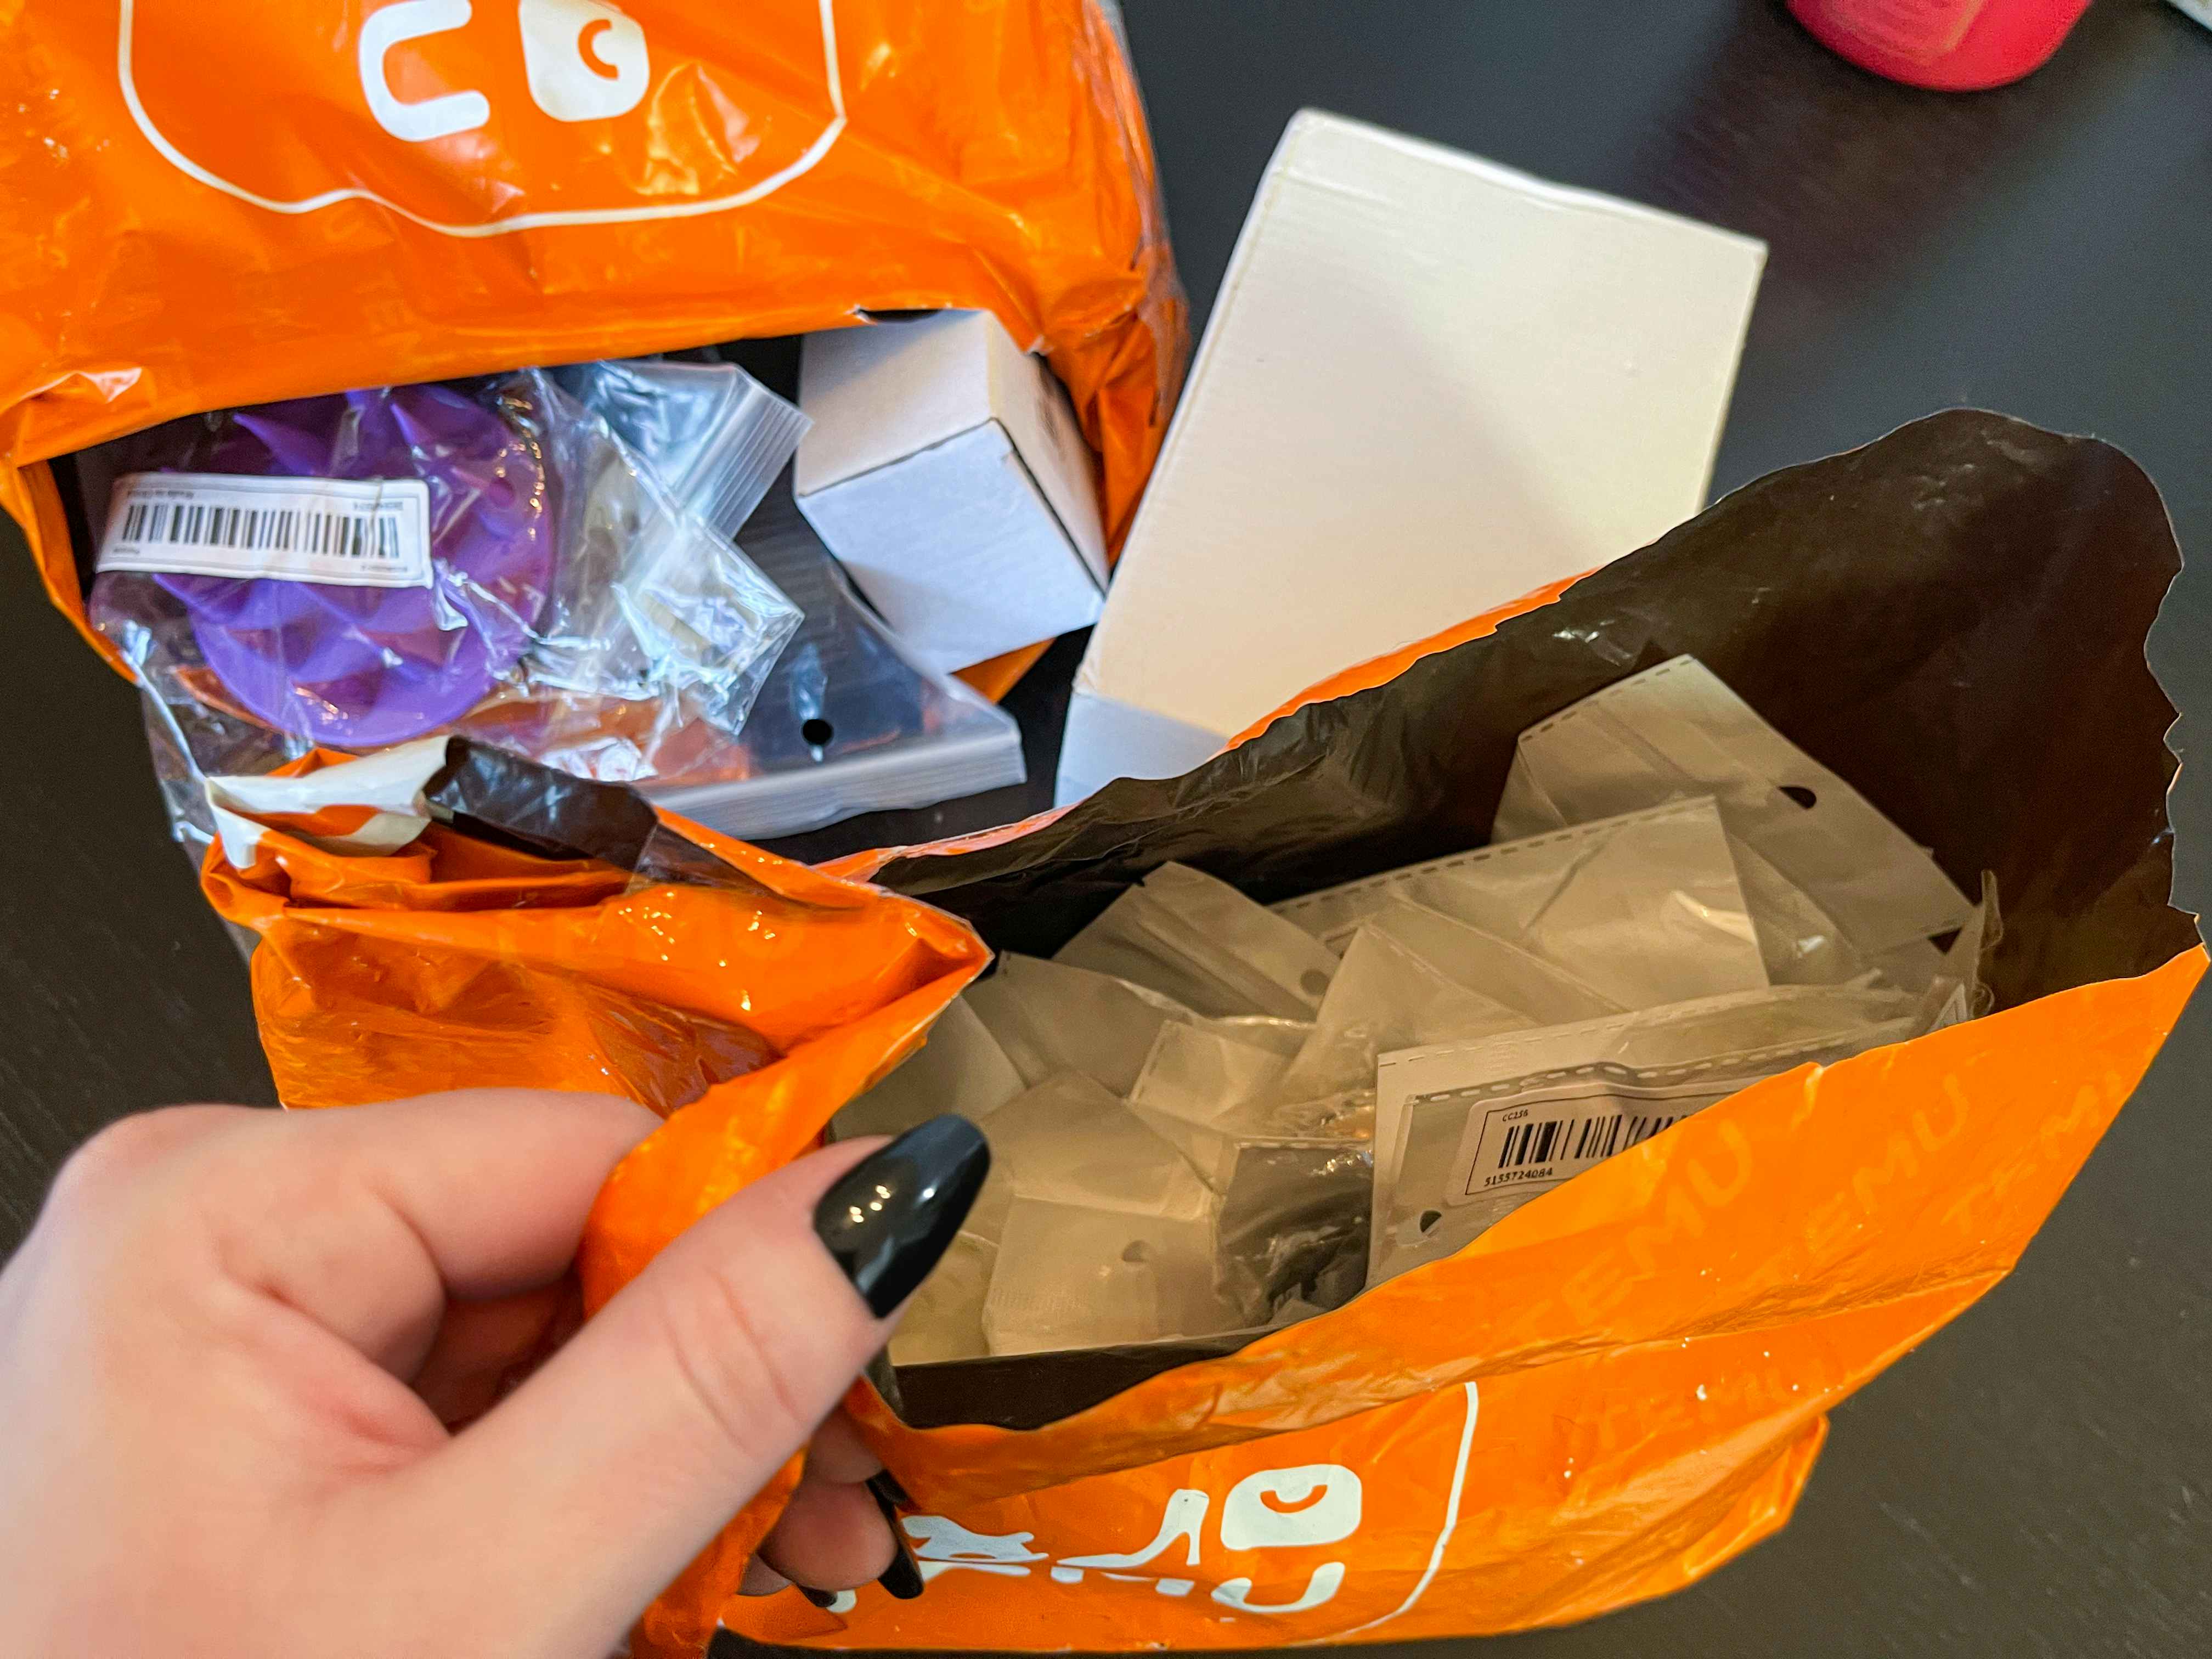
1209	1116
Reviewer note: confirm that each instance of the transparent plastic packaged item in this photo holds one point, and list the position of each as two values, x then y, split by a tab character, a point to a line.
960	1068
1049	1017
1644	908
1546	993
1189	936
849	721
716	436
1201	1086
1468	1133
1070	1276
1385	998
1676	730
1291	1233
1070	1142
482	557
945	1319
1801	943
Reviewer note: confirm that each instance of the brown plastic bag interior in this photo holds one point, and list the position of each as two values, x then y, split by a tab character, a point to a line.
1953	618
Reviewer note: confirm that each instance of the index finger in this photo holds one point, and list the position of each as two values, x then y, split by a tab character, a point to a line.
366	1218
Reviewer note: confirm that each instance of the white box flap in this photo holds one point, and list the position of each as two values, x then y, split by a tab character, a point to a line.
1430	385
881	392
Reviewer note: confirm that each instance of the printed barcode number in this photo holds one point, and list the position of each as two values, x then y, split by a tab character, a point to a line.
372	535
1573	1139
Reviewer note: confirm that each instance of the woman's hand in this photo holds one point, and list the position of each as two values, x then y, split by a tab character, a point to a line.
234	1349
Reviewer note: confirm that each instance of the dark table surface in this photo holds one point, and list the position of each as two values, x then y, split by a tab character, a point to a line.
2038	1479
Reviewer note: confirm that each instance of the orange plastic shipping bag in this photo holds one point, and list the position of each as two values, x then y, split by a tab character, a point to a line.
206	207
1610	1393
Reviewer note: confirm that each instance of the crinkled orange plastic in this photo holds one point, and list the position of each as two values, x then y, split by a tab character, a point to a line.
203	206
1608	1395
757	1009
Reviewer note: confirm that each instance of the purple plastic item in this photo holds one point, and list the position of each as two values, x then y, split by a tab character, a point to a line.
360	667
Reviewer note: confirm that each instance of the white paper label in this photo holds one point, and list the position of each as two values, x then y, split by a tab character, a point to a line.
357	532
1543	1137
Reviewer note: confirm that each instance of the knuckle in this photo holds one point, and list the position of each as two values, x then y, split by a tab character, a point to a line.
751	1390
113	1159
108	1175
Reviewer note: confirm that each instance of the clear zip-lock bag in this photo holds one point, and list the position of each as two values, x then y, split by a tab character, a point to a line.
360	570
850	721
716	435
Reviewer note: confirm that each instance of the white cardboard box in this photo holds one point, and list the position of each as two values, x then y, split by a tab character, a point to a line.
1430	385
946	469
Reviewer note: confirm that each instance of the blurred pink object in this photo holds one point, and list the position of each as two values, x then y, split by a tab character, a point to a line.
1952	46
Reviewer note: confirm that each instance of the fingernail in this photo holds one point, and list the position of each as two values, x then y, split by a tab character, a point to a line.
902	1578
895	1213
822	1599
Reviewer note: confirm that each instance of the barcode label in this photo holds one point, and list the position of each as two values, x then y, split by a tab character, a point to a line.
371	532
1540	1141
1576	1139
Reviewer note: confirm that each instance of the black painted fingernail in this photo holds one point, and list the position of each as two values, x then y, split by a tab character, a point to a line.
897	1210
902	1578
822	1599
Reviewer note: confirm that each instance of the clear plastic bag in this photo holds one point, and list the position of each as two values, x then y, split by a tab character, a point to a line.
1197	939
1291	1235
1644	908
1500	970
1070	1276
484	557
1468	1133
1198	1084
716	436
849	721
944	1321
961	1069
1068	1141
1676	730
1048	1016
1384	997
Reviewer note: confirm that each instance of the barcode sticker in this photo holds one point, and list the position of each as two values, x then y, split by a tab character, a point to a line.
1543	1140
357	532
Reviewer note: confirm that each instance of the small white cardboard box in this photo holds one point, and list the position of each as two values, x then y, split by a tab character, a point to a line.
1430	385
946	469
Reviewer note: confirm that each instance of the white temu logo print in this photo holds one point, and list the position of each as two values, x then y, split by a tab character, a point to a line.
585	61
1274	1509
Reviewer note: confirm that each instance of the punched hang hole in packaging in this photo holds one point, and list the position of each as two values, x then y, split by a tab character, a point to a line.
947	472
1551	365
1189	936
1677	730
849	719
1644	908
1070	1276
1468	1133
1384	997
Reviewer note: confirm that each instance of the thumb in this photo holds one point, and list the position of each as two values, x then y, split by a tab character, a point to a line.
619	1461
